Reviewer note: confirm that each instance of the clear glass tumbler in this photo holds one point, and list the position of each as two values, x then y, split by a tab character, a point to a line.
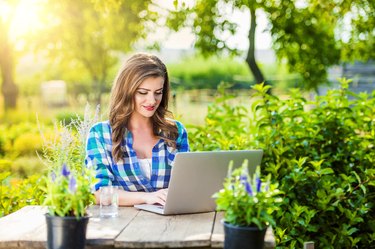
108	201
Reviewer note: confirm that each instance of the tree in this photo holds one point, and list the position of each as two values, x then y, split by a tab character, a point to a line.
89	35
306	33
7	58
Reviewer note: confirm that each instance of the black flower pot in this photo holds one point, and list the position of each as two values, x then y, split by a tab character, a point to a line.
243	237
66	232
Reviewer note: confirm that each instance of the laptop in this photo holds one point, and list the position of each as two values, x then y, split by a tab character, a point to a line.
196	176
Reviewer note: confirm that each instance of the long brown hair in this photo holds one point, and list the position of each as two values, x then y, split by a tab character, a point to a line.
135	70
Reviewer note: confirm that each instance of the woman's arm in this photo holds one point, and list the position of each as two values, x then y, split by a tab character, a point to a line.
127	198
182	140
97	156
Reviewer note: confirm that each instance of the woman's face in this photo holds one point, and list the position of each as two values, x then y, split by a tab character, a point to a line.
148	96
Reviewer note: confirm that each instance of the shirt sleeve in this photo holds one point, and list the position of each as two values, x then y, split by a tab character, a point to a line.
97	156
182	141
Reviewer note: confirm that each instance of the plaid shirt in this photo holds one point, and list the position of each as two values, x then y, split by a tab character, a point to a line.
127	172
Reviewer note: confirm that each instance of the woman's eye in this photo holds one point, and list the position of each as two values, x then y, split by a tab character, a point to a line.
142	93
159	93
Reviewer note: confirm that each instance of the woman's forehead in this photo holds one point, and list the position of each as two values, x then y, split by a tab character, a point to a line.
152	83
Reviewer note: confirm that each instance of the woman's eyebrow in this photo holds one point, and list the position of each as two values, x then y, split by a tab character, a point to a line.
149	89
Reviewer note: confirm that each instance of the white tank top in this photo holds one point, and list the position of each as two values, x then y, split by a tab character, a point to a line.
146	165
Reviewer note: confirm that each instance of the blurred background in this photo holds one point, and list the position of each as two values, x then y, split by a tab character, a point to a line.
58	55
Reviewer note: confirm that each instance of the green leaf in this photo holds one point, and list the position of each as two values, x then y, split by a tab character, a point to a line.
326	171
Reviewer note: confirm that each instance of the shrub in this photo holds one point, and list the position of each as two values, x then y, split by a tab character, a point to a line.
17	131
27	144
24	167
17	193
206	73
321	152
5	165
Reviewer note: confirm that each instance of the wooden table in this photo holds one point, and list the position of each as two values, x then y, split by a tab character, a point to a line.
133	228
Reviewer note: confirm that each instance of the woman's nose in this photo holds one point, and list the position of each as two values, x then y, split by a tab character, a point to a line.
151	98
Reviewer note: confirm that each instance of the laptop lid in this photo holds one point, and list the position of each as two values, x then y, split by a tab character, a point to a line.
196	176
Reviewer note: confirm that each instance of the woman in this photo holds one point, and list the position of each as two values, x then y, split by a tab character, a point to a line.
135	148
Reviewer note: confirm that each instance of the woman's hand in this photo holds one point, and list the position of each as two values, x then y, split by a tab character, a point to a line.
157	197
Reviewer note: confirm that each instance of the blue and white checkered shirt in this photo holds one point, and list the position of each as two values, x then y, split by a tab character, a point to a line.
127	172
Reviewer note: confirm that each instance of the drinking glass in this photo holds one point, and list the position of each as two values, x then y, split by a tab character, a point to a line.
108	201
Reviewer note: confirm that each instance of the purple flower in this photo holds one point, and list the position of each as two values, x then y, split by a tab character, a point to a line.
65	171
243	179
267	186
258	184
248	188
72	184
53	176
245	182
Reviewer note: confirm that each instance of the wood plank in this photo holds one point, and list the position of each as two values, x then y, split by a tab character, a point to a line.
24	228
217	239
269	240
103	231
149	230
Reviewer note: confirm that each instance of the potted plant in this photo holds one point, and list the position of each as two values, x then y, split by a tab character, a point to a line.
248	204
68	185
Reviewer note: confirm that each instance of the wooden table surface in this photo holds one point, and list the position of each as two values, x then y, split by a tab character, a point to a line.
133	228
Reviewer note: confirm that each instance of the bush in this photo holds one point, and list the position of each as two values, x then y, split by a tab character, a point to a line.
206	73
24	167
22	139
14	132
321	152
16	193
28	144
5	165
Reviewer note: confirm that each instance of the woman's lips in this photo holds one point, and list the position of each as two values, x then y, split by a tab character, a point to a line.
149	108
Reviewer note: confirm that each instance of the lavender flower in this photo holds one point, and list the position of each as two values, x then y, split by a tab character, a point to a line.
65	171
53	176
248	188
68	179
246	183
258	184
267	186
243	178
72	185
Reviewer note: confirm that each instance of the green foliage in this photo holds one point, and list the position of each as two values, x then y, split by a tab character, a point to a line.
5	165
295	36
68	193
27	144
19	139
2	141
83	39
68	183
207	73
310	35
16	193
321	153
361	42
247	201
68	117
26	166
226	125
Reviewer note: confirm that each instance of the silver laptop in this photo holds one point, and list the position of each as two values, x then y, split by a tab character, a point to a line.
196	176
